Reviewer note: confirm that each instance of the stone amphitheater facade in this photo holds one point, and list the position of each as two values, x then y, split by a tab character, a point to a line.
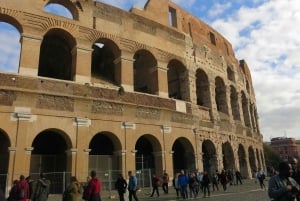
107	89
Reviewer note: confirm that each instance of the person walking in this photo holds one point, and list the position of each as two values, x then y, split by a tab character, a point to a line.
42	189
94	188
165	182
238	177
176	185
183	182
22	189
121	186
155	184
223	180
73	191
206	183
215	181
261	178
132	186
282	186
193	185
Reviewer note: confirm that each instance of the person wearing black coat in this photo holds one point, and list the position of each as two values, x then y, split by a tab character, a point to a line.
121	186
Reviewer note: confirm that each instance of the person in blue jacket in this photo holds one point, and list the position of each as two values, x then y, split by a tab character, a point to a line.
183	181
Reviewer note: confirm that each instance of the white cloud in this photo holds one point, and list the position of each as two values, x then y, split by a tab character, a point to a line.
9	48
271	47
219	9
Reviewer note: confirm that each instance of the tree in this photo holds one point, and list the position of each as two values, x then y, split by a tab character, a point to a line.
272	159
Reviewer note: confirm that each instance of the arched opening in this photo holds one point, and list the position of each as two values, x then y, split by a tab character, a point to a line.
183	156
234	103
64	8
57	55
220	94
50	156
242	161
247	86
230	74
4	158
104	69
148	157
258	159
252	160
10	48
209	157
245	106
177	80
145	72
228	157
103	158
202	89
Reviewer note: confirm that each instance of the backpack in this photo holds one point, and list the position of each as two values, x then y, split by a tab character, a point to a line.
20	192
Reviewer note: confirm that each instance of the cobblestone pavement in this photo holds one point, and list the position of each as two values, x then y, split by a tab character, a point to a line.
249	191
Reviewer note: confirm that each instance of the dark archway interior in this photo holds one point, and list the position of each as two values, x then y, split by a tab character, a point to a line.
55	57
103	67
101	145
209	157
49	153
228	158
183	157
144	156
242	161
4	158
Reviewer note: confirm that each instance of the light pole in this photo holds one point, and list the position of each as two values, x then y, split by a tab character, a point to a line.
195	131
162	127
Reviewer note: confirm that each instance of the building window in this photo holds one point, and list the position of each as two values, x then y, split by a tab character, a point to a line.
212	38
172	17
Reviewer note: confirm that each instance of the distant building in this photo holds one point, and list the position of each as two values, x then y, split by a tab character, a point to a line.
285	147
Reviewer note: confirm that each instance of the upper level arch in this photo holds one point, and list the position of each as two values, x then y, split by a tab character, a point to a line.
57	55
234	100
245	107
104	67
145	72
58	10
220	95
177	79
202	89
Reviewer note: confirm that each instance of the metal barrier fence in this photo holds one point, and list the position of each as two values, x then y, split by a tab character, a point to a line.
59	180
3	182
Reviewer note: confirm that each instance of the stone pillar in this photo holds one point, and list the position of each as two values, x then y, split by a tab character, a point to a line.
249	176
192	95
71	160
83	64
11	166
82	155
124	71
162	79
129	151
30	54
21	160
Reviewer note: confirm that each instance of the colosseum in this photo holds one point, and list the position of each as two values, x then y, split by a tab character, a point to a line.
110	90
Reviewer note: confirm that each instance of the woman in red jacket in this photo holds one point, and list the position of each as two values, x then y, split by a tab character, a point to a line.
22	189
94	188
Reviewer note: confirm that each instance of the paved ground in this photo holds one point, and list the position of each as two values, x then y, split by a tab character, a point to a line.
249	191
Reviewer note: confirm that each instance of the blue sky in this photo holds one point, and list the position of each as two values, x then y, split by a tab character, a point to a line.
265	33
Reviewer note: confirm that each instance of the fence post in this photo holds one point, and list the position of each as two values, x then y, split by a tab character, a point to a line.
109	182
150	177
64	181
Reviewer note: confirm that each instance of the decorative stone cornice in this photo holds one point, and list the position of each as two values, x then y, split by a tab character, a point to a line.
82	121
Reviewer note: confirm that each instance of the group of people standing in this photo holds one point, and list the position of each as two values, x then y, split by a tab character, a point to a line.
197	182
26	189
